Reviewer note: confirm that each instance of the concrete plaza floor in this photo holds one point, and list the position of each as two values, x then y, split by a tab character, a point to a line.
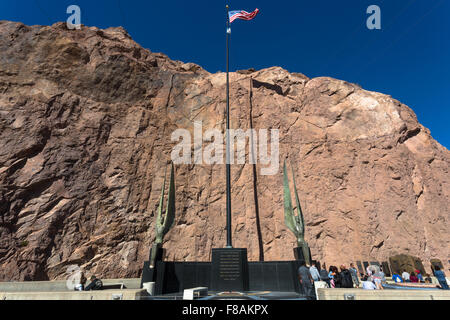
58	290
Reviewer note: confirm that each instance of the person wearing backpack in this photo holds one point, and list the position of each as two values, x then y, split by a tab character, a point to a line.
306	281
345	278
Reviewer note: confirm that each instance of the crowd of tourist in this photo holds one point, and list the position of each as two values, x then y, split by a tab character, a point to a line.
373	279
417	277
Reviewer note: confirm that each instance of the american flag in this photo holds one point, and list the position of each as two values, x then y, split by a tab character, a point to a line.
241	14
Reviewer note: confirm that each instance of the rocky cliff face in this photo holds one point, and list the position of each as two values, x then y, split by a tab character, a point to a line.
86	119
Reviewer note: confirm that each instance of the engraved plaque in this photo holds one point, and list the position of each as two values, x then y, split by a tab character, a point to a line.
229	270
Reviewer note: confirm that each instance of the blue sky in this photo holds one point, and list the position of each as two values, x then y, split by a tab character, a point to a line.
409	58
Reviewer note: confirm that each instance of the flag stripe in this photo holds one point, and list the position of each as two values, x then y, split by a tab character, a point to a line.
243	15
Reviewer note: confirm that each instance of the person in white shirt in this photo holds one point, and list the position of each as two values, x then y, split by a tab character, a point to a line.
367	284
314	272
377	279
405	276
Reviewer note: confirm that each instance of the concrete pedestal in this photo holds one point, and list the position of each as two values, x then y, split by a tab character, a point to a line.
298	254
149	270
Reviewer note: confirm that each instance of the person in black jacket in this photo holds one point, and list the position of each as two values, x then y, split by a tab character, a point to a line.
306	281
324	275
96	284
345	278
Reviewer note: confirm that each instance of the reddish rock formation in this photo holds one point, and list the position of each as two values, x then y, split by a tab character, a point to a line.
86	119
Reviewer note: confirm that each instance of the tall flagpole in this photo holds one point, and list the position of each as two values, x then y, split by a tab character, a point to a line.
228	158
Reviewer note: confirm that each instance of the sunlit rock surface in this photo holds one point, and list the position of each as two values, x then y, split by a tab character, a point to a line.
86	119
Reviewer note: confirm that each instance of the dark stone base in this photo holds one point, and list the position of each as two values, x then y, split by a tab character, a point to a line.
229	270
278	276
436	263
175	277
402	262
158	251
361	270
298	254
365	264
149	271
148	274
386	269
275	276
374	263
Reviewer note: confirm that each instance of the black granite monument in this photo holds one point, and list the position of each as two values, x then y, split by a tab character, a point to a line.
402	262
298	254
436	263
229	268
365	264
386	269
360	267
374	263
